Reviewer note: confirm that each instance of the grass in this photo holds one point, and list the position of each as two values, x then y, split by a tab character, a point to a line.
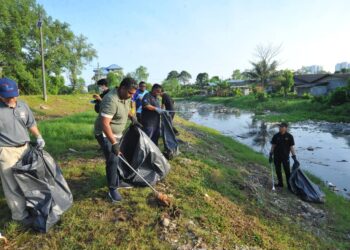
221	199
289	109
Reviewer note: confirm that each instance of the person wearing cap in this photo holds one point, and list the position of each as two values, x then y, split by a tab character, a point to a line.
282	146
103	87
109	127
151	111
137	99
16	119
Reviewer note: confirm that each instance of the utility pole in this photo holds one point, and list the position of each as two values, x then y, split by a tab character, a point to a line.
40	26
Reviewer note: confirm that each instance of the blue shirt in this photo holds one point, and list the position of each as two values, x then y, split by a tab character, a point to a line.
137	98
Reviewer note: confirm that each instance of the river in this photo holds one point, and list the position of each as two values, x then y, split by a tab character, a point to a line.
323	148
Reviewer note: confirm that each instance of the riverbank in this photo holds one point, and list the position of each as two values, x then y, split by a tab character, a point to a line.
221	193
291	109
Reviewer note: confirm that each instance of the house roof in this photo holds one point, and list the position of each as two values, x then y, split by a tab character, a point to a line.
312	80
114	67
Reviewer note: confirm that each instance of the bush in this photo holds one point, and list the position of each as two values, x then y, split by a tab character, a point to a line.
261	96
339	96
319	99
237	92
307	96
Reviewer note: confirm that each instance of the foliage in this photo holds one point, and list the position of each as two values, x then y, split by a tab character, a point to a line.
339	96
261	96
172	75
140	74
172	86
306	96
202	79
264	69
184	77
286	80
113	79
20	47
237	92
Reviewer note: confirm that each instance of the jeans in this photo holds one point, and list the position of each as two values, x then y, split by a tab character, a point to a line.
153	133
286	166
112	161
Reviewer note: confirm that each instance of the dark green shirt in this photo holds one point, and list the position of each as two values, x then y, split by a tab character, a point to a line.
116	109
14	124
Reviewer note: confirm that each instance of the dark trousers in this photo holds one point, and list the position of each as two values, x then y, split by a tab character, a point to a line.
138	116
153	133
111	162
172	115
286	166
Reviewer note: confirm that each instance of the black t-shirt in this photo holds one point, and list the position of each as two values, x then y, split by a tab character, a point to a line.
283	144
150	118
168	102
98	103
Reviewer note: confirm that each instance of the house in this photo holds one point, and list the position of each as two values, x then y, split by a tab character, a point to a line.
102	72
319	84
244	85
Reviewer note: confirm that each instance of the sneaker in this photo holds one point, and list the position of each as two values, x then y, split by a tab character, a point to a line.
114	195
124	185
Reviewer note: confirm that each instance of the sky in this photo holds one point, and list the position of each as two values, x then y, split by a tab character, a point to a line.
213	36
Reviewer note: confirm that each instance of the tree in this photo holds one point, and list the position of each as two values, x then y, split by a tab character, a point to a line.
172	85
264	69
141	74
215	79
287	81
184	77
113	79
172	75
237	75
82	53
202	79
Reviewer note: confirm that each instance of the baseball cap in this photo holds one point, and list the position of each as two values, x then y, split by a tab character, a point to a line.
8	88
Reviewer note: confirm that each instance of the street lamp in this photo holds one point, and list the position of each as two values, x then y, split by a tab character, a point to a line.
40	24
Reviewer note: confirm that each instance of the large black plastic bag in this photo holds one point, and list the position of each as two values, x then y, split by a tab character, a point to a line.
170	142
144	156
304	187
44	187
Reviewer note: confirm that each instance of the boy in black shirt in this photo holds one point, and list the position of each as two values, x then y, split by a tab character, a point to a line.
282	146
103	87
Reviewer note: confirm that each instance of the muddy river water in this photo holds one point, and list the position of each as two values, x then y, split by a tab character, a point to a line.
322	148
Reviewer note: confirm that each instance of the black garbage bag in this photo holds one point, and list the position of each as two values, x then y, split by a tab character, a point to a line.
170	142
144	156
44	187
304	187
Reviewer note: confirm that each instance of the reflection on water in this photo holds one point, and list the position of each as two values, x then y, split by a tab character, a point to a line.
323	148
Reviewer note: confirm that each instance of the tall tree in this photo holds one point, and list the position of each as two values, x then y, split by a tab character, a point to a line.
172	75
237	75
287	81
202	79
82	53
265	68
141	74
184	77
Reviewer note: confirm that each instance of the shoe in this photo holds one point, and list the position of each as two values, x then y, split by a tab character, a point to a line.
114	195
124	185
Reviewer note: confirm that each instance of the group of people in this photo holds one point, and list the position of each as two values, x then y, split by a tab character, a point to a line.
114	107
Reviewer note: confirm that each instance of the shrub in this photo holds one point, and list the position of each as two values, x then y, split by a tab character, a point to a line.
319	99
307	96
339	96
261	96
237	92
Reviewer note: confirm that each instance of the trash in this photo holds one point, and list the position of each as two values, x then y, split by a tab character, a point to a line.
165	222
73	150
44	188
310	148
331	185
170	142
44	107
305	188
143	156
4	239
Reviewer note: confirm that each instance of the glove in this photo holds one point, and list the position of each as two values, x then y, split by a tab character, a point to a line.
160	111
296	162
271	158
135	122
40	142
116	149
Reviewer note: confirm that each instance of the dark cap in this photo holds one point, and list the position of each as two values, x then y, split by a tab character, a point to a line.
8	88
283	124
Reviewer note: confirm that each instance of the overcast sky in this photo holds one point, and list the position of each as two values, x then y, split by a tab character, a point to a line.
214	36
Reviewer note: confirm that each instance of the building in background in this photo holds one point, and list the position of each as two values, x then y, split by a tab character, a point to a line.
319	84
102	72
342	66
313	69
